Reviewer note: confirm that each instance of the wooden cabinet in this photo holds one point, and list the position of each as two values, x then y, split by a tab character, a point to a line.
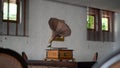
59	54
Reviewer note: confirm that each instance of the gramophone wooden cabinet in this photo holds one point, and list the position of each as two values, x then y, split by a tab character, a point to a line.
59	54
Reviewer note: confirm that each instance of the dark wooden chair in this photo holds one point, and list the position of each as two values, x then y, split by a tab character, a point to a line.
11	59
24	56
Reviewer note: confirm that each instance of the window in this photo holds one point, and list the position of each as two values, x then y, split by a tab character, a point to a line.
90	21
10	10
105	23
100	25
14	17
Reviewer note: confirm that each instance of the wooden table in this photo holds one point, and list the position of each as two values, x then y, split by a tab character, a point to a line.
50	64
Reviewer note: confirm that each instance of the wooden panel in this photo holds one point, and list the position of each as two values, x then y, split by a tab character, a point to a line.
59	54
52	54
65	54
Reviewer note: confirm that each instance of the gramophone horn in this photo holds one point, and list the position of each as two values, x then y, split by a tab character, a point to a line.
59	28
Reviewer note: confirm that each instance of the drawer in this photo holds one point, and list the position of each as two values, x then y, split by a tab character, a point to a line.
65	54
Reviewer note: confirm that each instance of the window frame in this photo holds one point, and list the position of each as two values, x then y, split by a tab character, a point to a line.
108	24
94	22
98	34
17	14
21	21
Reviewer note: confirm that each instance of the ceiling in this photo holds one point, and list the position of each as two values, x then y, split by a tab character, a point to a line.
101	4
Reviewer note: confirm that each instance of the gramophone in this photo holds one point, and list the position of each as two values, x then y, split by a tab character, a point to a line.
59	29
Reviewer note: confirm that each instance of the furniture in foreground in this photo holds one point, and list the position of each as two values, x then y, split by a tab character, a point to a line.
58	64
40	63
110	61
85	64
11	59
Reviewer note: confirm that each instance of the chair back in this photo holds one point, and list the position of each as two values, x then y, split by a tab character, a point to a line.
11	59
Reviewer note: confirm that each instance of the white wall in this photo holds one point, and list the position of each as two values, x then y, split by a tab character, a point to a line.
117	27
39	32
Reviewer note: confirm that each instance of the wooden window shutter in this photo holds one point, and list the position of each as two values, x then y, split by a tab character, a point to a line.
98	34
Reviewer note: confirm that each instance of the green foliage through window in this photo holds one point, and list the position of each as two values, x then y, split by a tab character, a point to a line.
90	22
105	23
